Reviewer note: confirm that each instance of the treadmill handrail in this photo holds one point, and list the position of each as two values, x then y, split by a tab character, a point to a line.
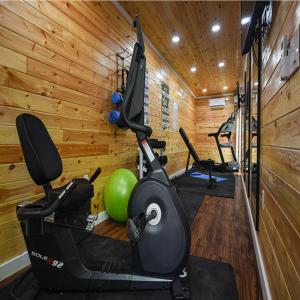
220	130
139	32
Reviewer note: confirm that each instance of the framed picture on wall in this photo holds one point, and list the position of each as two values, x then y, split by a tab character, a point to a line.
146	99
165	99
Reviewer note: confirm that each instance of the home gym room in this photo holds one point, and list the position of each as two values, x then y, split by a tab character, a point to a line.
149	150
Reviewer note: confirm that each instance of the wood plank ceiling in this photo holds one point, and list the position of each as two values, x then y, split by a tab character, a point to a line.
198	45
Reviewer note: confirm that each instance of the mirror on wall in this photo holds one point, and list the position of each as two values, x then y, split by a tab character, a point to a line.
253	193
251	116
247	121
243	131
251	108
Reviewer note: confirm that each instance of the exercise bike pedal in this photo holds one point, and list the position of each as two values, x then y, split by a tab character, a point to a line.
133	231
136	226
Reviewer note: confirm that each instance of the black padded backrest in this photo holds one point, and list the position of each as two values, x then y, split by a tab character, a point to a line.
41	156
190	146
184	135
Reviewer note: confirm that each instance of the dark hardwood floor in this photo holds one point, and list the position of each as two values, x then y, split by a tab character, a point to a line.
220	231
11	278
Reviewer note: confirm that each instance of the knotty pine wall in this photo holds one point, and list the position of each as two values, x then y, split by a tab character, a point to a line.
57	61
209	120
279	233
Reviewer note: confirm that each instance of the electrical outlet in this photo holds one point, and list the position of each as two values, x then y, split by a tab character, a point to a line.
285	60
263	199
86	176
294	52
284	45
285	68
290	58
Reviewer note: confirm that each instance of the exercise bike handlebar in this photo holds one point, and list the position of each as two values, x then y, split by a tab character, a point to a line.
31	211
95	175
140	48
139	33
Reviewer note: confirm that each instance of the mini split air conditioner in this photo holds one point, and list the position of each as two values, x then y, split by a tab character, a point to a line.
217	103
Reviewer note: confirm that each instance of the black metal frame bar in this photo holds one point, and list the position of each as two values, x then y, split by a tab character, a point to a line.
259	67
220	150
187	163
249	116
257	59
244	126
121	71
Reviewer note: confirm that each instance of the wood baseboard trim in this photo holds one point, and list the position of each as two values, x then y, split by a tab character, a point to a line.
177	173
14	265
259	258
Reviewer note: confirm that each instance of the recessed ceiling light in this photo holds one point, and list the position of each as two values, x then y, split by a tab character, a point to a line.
215	28
245	20
225	87
193	69
175	39
204	90
221	64
256	83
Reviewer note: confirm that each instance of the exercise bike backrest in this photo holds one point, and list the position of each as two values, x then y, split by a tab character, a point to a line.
191	148
44	165
41	156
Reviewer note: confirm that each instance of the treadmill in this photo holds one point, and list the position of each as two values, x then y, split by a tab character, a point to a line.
226	130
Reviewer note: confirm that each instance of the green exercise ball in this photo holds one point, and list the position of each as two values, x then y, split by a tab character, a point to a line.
117	191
